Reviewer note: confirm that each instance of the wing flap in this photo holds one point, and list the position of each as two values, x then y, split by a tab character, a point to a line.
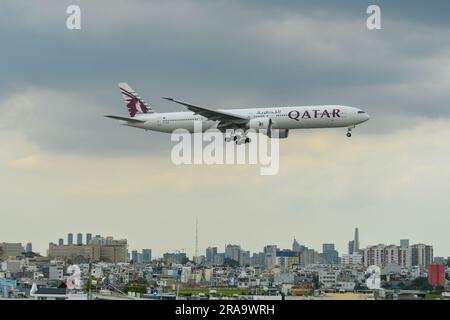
211	114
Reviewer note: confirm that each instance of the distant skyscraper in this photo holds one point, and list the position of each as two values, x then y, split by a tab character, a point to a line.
134	256
60	242
351	246
211	252
296	247
404	243
196	237
356	241
329	254
29	247
79	239
70	239
232	252
146	255
270	256
88	237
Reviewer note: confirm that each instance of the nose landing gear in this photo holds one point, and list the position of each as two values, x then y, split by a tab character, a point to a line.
349	131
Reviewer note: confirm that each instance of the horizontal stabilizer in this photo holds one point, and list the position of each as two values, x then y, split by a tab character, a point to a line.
126	119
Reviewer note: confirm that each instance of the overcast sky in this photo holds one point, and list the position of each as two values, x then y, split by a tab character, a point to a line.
65	168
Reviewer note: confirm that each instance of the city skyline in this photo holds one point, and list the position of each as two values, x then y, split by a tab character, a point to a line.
202	250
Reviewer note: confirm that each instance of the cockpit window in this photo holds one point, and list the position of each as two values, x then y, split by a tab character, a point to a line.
361	112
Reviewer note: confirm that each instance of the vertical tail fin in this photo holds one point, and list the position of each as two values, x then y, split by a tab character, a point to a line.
133	102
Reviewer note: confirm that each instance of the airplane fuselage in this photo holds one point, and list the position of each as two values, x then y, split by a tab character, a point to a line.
295	117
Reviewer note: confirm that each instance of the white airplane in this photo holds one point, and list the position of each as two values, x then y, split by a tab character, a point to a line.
261	120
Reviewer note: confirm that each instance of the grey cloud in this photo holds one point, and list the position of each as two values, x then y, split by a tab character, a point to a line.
222	54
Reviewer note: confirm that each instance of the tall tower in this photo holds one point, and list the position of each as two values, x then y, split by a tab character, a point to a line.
356	241
196	238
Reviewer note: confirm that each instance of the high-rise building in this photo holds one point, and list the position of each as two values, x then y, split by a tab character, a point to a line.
356	241
404	243
258	259
232	252
436	274
270	253
219	259
421	255
211	252
146	255
382	256
79	239
404	257
178	257
106	250
60	242
88	237
351	246
329	254
70	239
134	256
29	247
297	247
8	250
310	256
244	258
375	255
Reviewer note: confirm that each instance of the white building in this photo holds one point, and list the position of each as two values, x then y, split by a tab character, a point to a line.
328	279
352	259
55	273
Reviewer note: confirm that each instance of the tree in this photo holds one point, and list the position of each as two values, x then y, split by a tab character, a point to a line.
135	287
418	284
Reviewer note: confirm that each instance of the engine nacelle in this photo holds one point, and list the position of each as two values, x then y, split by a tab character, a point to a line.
262	125
282	133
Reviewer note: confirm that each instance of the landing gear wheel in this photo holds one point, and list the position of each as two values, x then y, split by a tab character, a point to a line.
349	134
248	140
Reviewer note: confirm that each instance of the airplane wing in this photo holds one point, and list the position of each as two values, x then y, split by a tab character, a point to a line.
224	117
126	119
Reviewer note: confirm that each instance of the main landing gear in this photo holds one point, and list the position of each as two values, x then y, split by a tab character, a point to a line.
238	139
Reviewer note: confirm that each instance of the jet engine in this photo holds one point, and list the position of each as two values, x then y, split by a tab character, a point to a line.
262	125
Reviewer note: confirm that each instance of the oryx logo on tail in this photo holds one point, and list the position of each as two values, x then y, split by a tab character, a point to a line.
134	103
